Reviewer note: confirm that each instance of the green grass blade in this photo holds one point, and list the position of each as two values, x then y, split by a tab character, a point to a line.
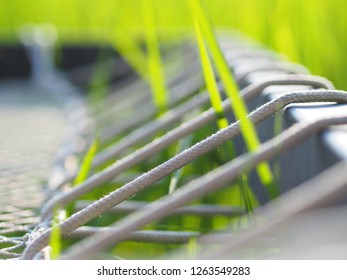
129	49
210	80
216	102
99	80
212	87
87	163
124	41
55	238
84	171
156	73
232	91
183	144
192	247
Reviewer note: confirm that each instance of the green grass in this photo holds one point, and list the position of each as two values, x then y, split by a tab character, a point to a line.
156	75
87	162
55	241
84	171
210	80
216	102
98	85
308	32
239	107
183	144
130	50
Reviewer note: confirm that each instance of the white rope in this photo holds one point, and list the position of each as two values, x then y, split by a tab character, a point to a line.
324	189
125	93
247	69
150	129
180	160
146	111
201	210
177	133
155	236
162	142
196	189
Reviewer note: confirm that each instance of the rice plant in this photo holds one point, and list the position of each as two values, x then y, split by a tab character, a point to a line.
156	74
278	24
238	105
55	243
84	171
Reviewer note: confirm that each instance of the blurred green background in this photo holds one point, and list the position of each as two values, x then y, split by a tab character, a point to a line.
310	32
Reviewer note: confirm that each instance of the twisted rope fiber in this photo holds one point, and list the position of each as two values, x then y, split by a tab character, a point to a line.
242	52
115	150
147	110
155	236
177	133
126	122
180	160
191	85
143	132
322	190
291	68
196	189
120	100
202	210
150	129
123	99
15	229
136	136
17	243
249	92
164	141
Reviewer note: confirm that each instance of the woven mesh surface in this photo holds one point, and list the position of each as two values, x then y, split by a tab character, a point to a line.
31	130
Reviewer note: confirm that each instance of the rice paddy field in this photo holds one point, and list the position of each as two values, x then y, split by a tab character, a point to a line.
312	33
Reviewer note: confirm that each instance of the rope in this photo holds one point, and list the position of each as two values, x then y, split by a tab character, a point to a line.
122	165
201	210
124	100
155	236
183	158
150	129
242	53
121	99
129	85
245	70
164	141
325	188
203	185
179	92
155	126
11	244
